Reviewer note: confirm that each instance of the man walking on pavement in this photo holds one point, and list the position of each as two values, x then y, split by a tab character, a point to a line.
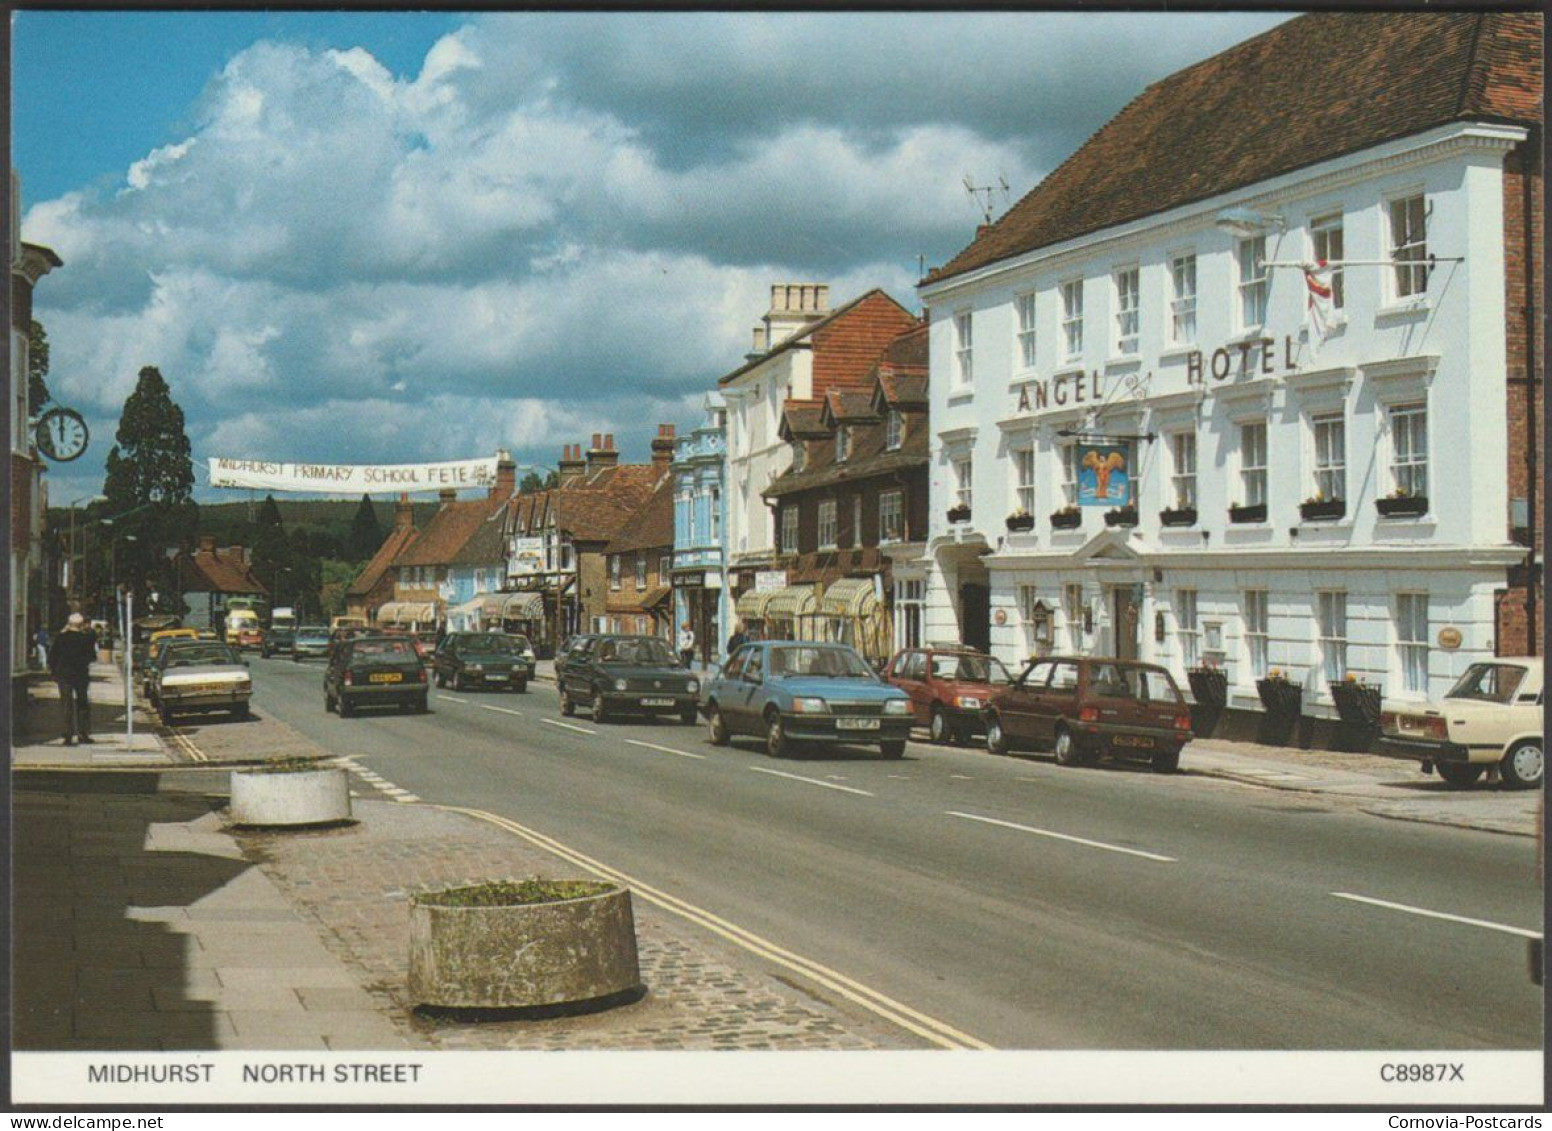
686	645
71	663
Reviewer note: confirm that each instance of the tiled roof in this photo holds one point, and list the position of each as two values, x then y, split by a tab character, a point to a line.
901	390
867	458
636	602
486	545
1315	88
653	525
598	508
393	545
848	408
802	420
452	526
223	570
845	342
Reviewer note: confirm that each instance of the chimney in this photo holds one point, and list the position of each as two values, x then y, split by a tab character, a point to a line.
506	477
663	447
448	495
602	453
207	543
404	513
572	466
760	346
793	307
981	230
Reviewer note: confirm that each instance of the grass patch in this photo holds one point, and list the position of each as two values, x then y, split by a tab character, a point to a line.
513	893
292	765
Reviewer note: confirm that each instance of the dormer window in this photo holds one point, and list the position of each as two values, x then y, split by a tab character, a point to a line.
842	443
894	430
799	455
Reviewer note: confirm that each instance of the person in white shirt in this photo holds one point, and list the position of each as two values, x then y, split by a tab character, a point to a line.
686	644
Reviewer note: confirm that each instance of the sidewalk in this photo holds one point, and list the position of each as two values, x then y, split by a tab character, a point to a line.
37	735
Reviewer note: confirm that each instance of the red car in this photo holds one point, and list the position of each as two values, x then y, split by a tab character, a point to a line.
949	689
1082	706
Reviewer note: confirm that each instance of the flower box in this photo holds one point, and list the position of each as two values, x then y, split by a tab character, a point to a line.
1406	506
1121	516
1322	510
959	514
1066	520
1178	516
1256	513
1357	703
1281	697
1020	523
1210	690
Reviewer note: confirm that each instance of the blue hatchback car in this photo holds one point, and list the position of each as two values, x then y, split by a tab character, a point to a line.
789	692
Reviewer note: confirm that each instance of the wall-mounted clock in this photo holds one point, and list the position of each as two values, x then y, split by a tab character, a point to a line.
61	434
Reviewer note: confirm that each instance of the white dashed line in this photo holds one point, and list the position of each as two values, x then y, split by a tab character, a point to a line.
1439	915
568	726
408	798
961	777
450	699
664	749
502	710
810	781
1064	836
898	777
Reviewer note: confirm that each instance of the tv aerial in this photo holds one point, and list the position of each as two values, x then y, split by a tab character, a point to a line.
984	195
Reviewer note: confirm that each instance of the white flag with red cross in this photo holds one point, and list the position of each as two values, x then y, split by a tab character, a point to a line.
1320	309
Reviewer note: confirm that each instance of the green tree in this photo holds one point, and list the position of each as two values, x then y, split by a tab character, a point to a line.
365	533
37	365
271	551
150	487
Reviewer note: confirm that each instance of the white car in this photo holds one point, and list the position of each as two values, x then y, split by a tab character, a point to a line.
200	676
1490	718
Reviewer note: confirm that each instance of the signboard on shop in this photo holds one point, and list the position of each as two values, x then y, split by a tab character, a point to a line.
770	580
527	557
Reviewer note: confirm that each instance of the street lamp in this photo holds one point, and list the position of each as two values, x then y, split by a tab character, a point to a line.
77	584
1246	223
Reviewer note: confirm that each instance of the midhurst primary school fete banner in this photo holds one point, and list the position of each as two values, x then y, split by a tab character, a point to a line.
354	479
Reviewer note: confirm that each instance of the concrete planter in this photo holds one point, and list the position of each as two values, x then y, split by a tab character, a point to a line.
506	954
268	797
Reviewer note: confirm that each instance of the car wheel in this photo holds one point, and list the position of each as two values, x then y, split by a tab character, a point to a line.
937	727
716	727
346	708
600	708
1166	762
520	686
422	705
1521	768
996	739
167	717
687	716
567	707
1067	753
777	744
240	711
1458	775
895	748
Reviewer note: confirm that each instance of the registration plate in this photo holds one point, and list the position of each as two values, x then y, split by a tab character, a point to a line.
657	702
856	724
387	677
498	678
1132	740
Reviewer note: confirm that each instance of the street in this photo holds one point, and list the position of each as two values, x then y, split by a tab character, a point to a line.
1010	901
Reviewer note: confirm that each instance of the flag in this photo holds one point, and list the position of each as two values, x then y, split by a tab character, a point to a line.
1318	310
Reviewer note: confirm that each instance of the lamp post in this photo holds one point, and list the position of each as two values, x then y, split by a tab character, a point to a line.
77	584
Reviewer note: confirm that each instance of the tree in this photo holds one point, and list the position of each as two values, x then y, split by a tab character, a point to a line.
149	486
271	551
37	365
532	482
365	533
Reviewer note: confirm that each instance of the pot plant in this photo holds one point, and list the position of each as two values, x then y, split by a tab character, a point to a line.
1318	508
1066	518
1279	694
1020	521
290	793
1178	516
516	944
1121	516
1210	690
959	513
1358	707
1255	512
1400	504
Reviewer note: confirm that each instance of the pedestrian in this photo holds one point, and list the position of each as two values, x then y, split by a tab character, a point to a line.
72	657
686	644
41	643
738	639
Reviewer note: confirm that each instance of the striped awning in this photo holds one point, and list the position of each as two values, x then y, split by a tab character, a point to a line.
513	606
849	597
752	605
791	602
407	612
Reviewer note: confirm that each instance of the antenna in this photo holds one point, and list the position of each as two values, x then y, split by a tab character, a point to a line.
983	195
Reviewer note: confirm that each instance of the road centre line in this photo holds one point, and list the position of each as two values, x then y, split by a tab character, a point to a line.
503	710
450	699
928	1028
810	781
664	749
1438	915
568	726
1064	836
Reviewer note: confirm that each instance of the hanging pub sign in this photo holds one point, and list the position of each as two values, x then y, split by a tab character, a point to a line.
1104	474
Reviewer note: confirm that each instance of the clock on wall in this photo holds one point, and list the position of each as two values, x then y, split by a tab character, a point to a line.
61	434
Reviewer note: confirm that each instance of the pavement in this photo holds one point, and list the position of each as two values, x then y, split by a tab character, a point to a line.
145	921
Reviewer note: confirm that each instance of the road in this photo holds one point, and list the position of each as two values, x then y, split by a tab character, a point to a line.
1028	905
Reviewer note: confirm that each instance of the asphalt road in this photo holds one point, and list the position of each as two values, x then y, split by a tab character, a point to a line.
1028	905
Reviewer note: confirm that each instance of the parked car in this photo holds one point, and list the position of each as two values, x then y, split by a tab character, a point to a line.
572	644
347	632
153	650
1084	706
310	640
626	675
949	689
482	659
789	693
1491	717
374	670
278	640
200	676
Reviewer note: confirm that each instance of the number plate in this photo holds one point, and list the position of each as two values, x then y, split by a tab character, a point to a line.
387	677
856	724
657	702
1132	740
496	677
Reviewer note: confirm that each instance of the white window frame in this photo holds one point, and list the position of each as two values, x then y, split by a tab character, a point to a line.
1187	629
1328	457
1253	284
842	443
1408	466
1182	468
1328	241
1182	299
1025	309
614	571
1410	615
1331	633
828	524
1067	454
665	565
856	521
1406	232
1024	479
1128	309
891	505
1255	612
964	481
1254	476
1073	608
799	455
894	430
789	528
964	348
1072	319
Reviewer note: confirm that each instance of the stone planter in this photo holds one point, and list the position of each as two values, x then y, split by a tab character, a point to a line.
289	796
1408	506
517	945
1066	520
1178	516
1020	523
1256	513
1325	510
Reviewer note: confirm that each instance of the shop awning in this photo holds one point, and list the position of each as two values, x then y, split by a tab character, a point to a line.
849	597
792	602
751	605
407	612
513	606
468	608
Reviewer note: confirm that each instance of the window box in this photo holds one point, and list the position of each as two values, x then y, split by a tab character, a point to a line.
1405	506
1210	690
1357	703
1178	516
960	513
1121	516
1255	513
1021	523
1281	697
1066	519
1322	510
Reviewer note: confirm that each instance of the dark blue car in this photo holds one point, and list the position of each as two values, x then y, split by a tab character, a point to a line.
790	693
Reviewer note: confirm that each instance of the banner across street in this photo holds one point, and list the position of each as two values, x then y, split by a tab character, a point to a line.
267	475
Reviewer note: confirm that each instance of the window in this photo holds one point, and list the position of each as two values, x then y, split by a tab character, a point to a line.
891	516
910	596
1326	247
1182	480
1025	307
1412	641
962	481
1186	629
1409	449
1251	255
963	361
789	529
641	571
894	430
856	520
1409	246
1256	624
716	516
1072	319
1069	454
1024	479
827	524
614	571
1252	463
799	455
1330	435
1213	654
665	565
1072	613
1331	628
1182	300
1126	311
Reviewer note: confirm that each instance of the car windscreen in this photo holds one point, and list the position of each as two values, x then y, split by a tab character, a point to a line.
487	645
519	642
969	669
383	650
1490	683
186	655
640	653
827	663
319	634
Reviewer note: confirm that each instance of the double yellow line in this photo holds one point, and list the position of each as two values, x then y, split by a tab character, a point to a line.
927	1028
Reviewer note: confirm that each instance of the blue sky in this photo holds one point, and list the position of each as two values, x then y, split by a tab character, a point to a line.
388	237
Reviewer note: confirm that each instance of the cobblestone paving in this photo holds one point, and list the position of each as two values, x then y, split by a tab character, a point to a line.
700	995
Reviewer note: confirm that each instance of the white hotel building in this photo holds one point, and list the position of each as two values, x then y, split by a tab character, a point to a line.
1118	300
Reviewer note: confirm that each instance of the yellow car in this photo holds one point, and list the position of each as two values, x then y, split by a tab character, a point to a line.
1490	719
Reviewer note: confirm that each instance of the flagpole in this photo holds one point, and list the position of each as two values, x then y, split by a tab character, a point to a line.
1338	264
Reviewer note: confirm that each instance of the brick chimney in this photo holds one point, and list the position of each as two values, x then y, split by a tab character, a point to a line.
602	453
207	543
793	307
572	466
663	447
448	495
404	513
506	477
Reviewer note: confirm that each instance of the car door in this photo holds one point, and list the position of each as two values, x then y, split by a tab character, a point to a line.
576	681
908	678
1057	700
1017	708
745	699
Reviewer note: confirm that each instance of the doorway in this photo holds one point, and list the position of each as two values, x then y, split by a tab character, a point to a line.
975	616
1124	614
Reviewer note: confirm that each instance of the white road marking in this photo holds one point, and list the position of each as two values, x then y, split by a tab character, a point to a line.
503	710
568	726
408	798
1064	836
898	777
664	749
811	781
450	699
961	777
1439	915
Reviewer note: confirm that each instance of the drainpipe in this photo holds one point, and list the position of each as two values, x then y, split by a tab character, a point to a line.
1532	463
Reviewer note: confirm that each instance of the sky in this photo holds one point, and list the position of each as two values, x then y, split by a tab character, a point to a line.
389	237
